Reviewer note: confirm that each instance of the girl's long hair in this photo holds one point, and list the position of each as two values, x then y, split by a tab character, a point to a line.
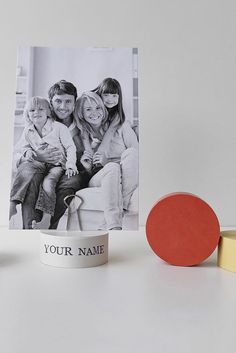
79	108
112	86
33	103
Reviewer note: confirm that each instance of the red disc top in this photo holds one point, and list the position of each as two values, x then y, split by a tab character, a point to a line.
182	229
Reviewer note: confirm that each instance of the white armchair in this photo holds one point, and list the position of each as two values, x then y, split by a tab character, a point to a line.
90	208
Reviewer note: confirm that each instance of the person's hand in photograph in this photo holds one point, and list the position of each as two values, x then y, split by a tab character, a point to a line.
87	160
29	155
71	171
100	158
49	155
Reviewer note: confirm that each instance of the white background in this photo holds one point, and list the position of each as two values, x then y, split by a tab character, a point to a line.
187	86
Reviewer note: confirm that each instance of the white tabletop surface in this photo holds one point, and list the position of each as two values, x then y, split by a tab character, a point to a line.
135	303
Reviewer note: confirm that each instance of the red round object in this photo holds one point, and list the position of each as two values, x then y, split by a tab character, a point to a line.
182	229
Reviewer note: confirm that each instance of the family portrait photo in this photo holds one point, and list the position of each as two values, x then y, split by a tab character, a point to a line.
76	139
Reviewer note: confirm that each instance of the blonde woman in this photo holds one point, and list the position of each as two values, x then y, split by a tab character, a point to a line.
116	169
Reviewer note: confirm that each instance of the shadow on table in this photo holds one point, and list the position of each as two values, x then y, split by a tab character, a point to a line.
11	259
119	257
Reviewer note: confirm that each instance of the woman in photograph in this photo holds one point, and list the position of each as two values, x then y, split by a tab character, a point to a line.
115	169
110	92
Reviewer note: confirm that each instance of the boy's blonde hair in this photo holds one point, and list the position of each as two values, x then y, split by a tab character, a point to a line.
79	107
36	102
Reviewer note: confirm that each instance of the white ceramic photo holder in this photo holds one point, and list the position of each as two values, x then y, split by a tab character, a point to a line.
74	248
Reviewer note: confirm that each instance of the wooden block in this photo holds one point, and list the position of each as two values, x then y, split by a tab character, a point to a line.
182	229
227	250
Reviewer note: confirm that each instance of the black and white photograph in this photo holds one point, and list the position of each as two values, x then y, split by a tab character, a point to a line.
76	141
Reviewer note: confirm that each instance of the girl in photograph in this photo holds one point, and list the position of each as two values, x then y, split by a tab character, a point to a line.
42	132
118	173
